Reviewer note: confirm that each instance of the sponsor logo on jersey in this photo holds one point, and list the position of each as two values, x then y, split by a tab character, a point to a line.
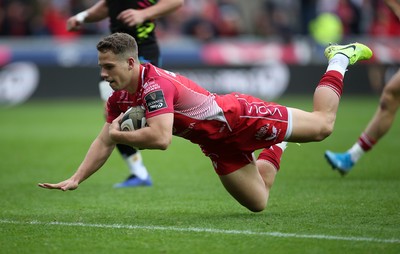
155	101
262	132
266	133
263	110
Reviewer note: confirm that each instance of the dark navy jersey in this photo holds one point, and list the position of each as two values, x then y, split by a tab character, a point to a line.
144	33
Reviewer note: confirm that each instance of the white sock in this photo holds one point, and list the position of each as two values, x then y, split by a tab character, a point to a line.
356	152
136	165
282	145
339	62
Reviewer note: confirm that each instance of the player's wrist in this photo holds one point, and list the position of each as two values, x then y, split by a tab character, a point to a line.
80	17
145	15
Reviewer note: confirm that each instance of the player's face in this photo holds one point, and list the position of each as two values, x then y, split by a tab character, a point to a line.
115	70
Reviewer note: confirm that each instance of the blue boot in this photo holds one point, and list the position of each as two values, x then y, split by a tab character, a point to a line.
134	181
340	161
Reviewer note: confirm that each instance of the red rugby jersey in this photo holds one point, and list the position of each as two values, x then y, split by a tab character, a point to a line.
201	116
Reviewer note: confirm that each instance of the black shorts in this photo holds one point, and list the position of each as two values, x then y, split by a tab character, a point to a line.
150	53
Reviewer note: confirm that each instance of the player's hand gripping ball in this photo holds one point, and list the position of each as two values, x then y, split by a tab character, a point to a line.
133	119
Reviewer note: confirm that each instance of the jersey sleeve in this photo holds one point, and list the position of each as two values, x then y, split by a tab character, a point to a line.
112	109
158	96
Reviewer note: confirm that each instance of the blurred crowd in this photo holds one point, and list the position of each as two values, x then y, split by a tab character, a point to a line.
207	20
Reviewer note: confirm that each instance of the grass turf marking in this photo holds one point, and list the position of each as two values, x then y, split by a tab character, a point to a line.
204	230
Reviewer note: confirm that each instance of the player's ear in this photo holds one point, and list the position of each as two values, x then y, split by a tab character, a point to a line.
131	63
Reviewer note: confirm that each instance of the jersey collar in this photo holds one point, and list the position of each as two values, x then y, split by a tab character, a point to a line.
141	76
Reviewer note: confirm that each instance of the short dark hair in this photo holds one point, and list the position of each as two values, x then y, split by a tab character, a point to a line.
118	43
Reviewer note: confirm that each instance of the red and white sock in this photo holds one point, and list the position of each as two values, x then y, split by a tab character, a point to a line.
273	154
363	145
333	77
366	142
333	80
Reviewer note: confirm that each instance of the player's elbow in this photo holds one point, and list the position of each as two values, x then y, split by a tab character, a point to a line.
163	143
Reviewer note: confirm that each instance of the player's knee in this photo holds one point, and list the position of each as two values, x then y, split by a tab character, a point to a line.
257	207
322	126
390	99
324	130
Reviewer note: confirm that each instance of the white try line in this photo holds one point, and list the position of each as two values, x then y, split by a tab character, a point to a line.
204	230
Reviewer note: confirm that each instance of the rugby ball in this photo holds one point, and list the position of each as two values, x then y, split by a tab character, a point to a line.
133	119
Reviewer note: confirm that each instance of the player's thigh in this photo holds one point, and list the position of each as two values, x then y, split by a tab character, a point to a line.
306	126
393	85
247	187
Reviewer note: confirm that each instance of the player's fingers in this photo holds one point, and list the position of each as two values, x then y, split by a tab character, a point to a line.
48	186
129	21
72	24
128	17
132	23
123	14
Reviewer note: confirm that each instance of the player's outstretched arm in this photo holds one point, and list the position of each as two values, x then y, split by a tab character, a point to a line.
96	156
97	12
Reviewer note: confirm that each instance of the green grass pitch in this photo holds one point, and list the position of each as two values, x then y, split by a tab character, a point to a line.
312	209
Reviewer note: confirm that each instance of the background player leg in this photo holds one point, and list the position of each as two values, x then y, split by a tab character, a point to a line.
378	126
138	172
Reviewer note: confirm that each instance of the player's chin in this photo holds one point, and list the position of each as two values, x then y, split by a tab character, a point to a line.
113	86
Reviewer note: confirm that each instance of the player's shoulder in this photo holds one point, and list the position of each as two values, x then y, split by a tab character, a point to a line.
153	71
